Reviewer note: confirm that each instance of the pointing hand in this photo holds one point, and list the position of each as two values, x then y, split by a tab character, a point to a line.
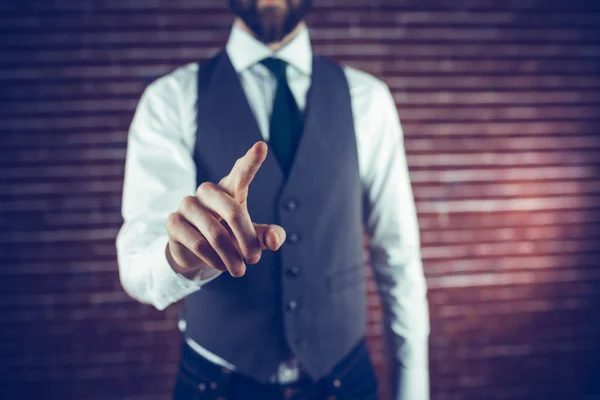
213	228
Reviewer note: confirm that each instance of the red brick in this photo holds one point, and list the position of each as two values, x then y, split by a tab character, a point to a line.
499	105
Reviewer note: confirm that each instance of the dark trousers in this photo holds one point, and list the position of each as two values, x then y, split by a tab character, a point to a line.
353	378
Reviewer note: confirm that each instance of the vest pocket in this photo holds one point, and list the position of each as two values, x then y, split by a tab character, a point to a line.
346	278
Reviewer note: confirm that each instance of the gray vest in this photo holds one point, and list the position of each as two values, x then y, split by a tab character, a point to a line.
308	298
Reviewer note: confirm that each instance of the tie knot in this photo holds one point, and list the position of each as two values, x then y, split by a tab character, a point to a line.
276	66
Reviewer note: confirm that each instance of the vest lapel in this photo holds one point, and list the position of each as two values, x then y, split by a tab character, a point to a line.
314	143
232	117
232	127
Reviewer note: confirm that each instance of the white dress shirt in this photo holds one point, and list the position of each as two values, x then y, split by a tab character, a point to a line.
160	172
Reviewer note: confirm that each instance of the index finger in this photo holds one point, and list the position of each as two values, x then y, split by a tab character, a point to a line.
245	168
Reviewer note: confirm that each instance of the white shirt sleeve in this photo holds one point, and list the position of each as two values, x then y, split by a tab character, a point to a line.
394	248
159	173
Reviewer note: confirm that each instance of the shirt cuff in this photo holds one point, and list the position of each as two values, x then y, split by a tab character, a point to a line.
173	286
412	384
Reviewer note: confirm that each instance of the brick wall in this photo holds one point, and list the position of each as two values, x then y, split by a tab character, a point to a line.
500	106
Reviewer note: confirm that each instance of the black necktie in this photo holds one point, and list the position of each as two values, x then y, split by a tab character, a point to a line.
286	120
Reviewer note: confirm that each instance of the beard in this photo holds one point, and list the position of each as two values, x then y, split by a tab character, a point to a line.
271	23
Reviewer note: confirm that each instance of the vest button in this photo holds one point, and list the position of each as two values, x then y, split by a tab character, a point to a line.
292	305
293	271
291	205
293	238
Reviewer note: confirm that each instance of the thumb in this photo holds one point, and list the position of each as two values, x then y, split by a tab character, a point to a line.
270	236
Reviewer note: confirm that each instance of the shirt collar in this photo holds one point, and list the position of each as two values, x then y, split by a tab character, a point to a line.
244	50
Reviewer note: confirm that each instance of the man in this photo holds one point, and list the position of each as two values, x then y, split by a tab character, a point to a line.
273	277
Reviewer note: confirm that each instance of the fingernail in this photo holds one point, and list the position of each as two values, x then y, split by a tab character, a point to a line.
238	272
280	237
254	258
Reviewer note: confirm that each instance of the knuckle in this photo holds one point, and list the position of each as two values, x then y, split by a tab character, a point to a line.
232	213
198	247
173	221
205	187
188	203
215	232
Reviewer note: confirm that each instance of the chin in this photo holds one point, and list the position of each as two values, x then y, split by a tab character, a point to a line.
271	27
271	20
